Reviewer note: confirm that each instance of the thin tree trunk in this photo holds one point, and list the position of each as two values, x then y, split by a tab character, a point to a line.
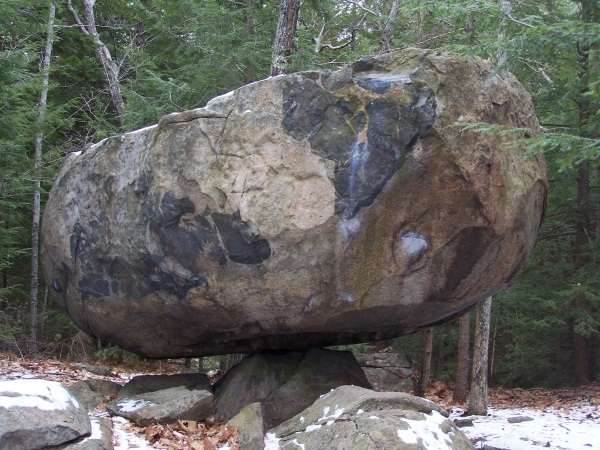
283	48
506	8
479	379
5	270
581	361
110	67
250	35
35	228
387	34
462	370
426	359
598	201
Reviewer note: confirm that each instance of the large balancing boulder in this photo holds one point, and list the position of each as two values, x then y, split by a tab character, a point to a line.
306	210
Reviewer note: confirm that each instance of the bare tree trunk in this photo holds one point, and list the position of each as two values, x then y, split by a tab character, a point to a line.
387	34
35	228
506	8
479	380
283	48
598	201
426	359
5	270
250	34
462	370
110	67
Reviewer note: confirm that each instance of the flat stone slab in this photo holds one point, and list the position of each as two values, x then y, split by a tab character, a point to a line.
164	406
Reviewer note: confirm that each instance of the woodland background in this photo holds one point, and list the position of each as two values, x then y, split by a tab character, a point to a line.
75	72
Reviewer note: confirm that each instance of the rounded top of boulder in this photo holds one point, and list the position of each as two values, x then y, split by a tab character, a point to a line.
312	209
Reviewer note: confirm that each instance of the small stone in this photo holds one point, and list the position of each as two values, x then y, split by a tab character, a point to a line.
461	423
519	419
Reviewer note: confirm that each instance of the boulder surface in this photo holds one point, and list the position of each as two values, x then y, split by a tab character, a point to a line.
313	209
36	414
388	371
285	384
354	417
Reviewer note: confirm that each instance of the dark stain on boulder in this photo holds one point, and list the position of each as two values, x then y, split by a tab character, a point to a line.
470	245
160	278
242	244
333	124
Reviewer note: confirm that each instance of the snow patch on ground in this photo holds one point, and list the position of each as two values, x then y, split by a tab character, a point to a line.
124	438
427	432
271	442
573	429
96	431
40	394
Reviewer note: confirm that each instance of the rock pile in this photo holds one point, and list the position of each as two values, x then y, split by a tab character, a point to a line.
314	400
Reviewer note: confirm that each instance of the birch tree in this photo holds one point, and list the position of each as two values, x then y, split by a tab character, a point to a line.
110	67
35	228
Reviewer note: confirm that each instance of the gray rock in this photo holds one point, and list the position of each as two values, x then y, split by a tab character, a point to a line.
306	210
91	393
165	406
254	379
388	380
387	371
100	439
97	370
150	383
519	419
293	387
462	423
249	424
35	414
353	417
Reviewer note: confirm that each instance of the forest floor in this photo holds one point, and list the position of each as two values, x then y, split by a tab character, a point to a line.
518	419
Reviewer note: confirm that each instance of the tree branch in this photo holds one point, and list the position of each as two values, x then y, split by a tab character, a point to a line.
335	47
78	21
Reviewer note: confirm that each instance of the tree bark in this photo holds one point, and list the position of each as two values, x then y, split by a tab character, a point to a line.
426	360
35	228
479	379
388	30
283	48
581	368
110	67
462	370
506	8
250	33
